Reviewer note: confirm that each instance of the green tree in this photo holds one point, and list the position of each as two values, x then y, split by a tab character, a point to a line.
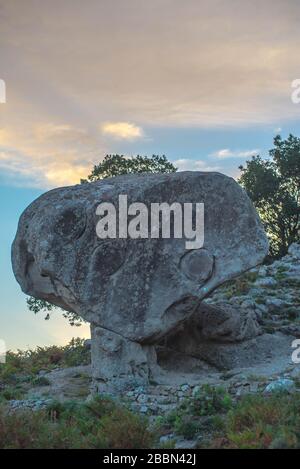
273	184
112	165
116	165
36	305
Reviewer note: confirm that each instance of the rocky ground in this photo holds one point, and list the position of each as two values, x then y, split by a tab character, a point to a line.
271	292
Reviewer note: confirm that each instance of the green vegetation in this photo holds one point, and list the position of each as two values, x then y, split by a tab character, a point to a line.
210	400
198	414
264	422
254	421
36	306
21	367
240	285
211	416
100	423
117	165
273	184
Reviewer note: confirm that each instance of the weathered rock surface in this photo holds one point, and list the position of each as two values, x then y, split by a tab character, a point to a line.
65	383
136	291
270	292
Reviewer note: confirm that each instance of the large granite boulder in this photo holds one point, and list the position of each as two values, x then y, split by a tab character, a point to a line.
133	291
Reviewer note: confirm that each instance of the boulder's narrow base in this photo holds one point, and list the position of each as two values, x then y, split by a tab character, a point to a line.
212	335
118	363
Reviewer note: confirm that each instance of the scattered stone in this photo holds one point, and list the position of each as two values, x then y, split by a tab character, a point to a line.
144	409
166	438
185	388
275	303
28	404
65	383
266	282
143	399
294	250
282	384
186	444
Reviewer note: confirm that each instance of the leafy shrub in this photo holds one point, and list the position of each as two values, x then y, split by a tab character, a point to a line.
273	185
100	423
198	414
186	426
41	381
211	400
27	363
11	392
123	429
241	285
264	422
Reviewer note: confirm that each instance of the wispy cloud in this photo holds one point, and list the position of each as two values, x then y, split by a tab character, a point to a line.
227	153
48	154
185	164
122	130
208	65
61	133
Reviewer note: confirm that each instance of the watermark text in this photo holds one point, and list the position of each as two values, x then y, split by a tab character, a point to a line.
295	96
2	92
2	351
296	352
163	220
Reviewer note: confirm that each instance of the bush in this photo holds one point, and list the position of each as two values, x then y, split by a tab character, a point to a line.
98	424
26	364
198	414
240	285
264	422
211	400
41	381
273	185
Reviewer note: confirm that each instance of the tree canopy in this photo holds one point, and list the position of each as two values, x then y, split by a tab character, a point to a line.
273	184
116	165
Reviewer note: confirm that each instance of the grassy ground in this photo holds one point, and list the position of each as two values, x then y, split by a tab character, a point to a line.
254	421
21	370
100	423
212	418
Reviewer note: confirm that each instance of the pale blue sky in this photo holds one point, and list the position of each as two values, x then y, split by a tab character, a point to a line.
206	83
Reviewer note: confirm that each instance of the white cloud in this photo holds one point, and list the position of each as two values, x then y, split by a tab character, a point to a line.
122	130
61	133
232	68
48	155
185	164
227	153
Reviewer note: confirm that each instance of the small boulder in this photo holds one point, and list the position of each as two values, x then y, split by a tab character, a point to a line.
282	384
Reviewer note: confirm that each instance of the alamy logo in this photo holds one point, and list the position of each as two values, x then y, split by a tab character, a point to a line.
176	220
295	96
296	352
2	92
2	351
